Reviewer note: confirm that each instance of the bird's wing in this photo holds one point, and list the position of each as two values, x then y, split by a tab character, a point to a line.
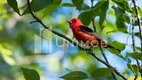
89	31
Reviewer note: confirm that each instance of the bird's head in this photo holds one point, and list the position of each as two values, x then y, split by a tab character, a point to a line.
75	22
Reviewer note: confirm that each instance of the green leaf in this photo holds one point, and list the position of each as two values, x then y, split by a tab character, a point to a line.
126	18
1	28
118	45
138	48
53	7
133	11
123	4
68	5
114	51
14	5
120	19
109	28
121	25
2	1
104	9
99	4
86	20
30	74
133	68
75	75
9	60
37	5
85	7
137	34
135	55
140	11
78	3
102	72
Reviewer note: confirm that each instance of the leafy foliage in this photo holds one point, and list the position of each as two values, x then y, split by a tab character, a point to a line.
36	6
123	4
30	74
135	55
92	13
119	46
16	43
103	12
68	5
75	75
14	5
78	3
133	68
102	72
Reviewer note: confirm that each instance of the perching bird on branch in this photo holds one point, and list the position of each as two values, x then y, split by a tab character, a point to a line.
87	36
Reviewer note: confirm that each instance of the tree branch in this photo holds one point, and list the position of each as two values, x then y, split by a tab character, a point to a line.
138	19
104	56
140	30
133	44
68	39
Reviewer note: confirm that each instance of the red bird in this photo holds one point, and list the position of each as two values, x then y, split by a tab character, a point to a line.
85	35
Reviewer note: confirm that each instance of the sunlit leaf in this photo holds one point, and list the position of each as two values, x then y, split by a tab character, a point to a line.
2	1
102	72
118	45
75	75
14	5
1	10
9	60
1	27
135	55
126	18
140	11
109	28
7	55
133	78
30	74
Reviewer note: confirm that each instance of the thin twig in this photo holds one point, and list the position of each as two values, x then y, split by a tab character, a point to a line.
138	19
139	23
33	22
102	52
68	39
93	21
133	44
113	75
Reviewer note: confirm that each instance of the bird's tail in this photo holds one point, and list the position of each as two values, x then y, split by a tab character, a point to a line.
109	46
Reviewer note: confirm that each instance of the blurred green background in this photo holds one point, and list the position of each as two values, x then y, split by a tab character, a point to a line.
31	46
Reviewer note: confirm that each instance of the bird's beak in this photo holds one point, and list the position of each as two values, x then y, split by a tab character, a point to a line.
69	22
